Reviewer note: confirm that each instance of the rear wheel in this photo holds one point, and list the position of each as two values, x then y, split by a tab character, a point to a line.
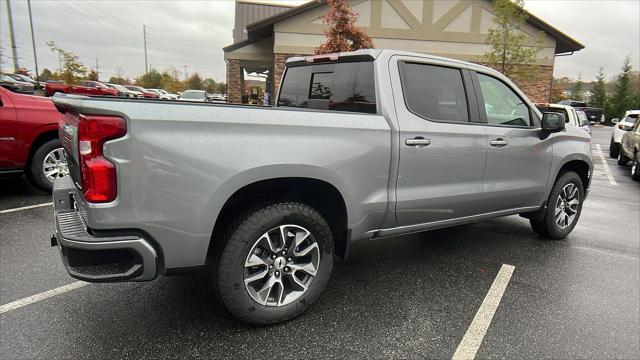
635	167
275	262
47	164
614	149
564	207
623	160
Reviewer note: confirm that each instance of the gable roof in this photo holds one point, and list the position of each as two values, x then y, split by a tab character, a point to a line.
264	28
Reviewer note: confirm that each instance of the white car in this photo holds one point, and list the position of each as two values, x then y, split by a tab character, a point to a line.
164	95
124	91
194	96
627	123
572	116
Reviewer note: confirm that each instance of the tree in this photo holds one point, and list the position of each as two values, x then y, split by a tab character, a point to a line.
598	93
93	75
210	85
72	69
195	82
46	75
557	91
577	90
151	80
119	79
623	94
508	53
342	33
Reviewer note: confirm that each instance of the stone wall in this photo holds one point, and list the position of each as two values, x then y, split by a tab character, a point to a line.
235	81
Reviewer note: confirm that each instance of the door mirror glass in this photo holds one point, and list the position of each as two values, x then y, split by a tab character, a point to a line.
553	122
615	120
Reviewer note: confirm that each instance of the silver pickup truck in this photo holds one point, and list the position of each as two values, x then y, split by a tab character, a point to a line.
359	146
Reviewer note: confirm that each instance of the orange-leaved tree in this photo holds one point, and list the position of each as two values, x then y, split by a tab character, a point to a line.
342	33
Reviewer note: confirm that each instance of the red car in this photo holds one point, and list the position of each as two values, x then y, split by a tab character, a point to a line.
145	93
86	87
29	139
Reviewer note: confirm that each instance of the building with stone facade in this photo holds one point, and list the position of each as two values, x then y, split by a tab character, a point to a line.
266	35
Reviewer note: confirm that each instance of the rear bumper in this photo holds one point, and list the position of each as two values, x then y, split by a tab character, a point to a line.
97	258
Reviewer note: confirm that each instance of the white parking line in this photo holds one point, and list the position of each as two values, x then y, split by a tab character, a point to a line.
41	296
25	208
607	171
475	333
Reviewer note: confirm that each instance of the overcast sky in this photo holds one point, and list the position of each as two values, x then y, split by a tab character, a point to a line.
193	33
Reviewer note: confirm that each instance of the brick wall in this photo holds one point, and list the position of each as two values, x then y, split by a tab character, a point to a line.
235	81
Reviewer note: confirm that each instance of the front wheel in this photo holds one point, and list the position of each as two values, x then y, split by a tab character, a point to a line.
47	164
564	207
275	262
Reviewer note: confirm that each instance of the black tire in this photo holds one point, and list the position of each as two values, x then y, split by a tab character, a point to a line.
229	267
614	149
635	168
548	227
623	160
35	172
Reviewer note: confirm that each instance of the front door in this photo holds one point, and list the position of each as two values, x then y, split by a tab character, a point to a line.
518	161
442	143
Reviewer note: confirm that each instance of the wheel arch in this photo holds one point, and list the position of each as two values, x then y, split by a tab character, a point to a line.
42	138
317	193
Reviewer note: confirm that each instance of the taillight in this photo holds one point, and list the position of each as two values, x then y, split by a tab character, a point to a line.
98	175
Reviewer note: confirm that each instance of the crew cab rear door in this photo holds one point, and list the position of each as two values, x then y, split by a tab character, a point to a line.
8	132
442	143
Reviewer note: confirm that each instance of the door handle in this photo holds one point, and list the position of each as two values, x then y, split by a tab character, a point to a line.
499	142
418	142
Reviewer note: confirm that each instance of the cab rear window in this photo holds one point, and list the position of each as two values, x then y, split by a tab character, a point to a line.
346	86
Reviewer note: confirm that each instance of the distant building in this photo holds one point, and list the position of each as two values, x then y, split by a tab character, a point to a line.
266	35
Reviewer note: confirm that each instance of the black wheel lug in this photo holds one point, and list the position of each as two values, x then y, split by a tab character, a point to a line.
277	273
273	256
289	259
286	269
284	252
270	267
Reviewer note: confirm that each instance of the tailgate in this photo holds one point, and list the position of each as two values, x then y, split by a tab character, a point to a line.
68	133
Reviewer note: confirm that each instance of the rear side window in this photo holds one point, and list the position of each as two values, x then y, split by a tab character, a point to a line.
435	92
336	86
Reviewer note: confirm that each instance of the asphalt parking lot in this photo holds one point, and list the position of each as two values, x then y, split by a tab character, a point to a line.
405	297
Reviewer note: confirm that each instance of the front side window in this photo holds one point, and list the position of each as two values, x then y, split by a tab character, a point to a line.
435	92
338	86
501	104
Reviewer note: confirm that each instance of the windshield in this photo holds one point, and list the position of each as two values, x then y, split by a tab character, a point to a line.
193	94
631	118
582	118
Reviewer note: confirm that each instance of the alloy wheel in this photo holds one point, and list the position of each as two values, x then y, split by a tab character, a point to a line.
54	165
281	265
567	206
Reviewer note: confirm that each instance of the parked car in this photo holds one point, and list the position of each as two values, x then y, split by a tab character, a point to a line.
23	78
194	96
573	117
165	95
267	196
29	139
16	86
630	151
145	93
84	87
124	92
593	114
627	123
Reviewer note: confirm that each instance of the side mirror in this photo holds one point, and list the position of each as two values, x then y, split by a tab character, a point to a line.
615	120
552	122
